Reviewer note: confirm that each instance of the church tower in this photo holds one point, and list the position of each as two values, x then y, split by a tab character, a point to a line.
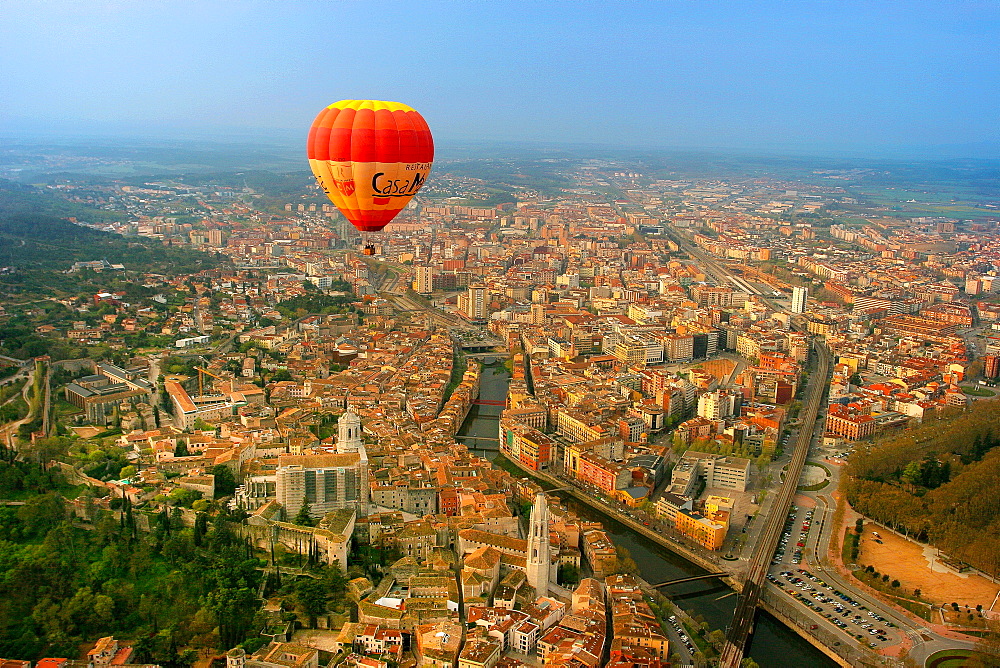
538	546
349	432
349	441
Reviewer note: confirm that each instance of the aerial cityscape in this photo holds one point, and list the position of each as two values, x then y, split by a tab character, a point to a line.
392	384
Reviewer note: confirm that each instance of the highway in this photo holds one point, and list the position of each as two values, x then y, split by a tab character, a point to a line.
760	561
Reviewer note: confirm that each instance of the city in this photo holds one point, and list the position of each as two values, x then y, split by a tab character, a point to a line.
499	334
665	356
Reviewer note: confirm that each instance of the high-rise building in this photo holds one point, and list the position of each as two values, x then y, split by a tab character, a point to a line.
538	546
719	404
799	298
991	366
476	302
424	279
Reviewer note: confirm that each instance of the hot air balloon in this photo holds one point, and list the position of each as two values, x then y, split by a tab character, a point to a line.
370	157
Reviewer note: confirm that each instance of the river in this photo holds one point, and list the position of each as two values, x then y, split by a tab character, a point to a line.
773	645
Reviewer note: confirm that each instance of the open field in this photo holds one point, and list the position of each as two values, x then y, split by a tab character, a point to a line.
910	563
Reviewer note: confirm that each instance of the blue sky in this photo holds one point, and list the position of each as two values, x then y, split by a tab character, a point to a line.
806	74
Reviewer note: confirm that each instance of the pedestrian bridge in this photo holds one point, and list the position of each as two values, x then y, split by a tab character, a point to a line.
706	576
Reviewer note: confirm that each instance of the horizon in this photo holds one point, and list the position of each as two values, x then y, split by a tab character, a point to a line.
288	144
851	80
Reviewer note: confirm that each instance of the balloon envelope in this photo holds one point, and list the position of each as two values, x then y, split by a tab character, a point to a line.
371	158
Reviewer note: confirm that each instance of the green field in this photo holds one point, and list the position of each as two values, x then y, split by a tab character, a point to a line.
978	392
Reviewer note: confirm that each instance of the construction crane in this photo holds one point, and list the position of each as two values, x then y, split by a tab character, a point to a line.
201	374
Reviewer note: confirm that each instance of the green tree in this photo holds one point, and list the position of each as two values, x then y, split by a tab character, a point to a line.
225	481
42	512
200	528
569	574
311	595
302	518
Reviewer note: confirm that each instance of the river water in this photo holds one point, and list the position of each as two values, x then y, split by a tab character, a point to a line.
773	645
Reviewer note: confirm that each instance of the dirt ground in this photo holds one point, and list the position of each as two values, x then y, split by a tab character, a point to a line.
719	368
915	567
318	638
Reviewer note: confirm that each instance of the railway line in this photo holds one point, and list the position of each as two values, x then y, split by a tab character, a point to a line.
743	618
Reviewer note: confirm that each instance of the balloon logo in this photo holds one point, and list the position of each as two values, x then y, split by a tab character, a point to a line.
370	157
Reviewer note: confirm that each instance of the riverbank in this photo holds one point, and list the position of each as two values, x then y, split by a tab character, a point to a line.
774	644
804	634
701	560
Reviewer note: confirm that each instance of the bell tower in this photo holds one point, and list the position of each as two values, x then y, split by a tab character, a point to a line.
538	546
349	432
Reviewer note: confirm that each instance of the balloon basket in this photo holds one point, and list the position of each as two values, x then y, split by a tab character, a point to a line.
369	250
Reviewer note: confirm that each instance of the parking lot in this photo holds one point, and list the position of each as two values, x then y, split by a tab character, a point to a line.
830	605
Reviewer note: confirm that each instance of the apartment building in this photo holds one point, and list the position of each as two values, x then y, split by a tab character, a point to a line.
717	470
707	531
800	297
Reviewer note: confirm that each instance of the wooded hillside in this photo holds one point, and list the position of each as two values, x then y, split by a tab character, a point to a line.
939	483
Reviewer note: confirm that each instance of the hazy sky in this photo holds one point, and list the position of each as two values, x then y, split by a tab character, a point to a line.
709	73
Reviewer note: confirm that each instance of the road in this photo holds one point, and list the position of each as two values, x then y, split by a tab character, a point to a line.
8	430
820	603
746	609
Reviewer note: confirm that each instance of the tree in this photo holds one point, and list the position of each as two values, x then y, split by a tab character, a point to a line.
568	574
200	528
624	563
201	505
183	497
225	481
311	595
43	512
303	518
988	646
127	472
181	450
233	607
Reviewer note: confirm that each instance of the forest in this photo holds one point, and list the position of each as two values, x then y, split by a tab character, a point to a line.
937	483
35	233
171	592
